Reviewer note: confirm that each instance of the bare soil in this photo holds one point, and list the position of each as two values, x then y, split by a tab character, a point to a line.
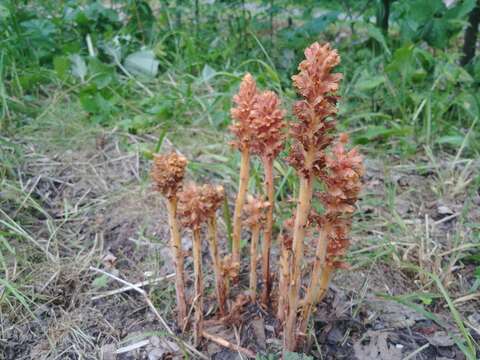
98	209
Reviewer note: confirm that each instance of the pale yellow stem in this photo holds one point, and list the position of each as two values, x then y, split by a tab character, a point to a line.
237	216
324	282
220	287
176	245
284	269
313	290
198	286
253	262
301	217
267	234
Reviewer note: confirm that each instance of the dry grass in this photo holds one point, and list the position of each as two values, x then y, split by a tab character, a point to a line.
82	198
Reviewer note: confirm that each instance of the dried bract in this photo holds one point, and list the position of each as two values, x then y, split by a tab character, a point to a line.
255	211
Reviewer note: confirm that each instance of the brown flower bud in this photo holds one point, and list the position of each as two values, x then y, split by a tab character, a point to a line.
168	172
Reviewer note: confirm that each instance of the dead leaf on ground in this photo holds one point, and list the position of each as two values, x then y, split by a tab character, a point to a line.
258	326
377	348
393	314
440	338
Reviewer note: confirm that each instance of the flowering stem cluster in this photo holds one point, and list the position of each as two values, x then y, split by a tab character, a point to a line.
167	174
317	155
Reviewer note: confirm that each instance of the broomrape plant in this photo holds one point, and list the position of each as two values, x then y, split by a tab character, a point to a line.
317	155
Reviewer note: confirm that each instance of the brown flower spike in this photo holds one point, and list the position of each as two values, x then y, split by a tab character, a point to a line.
311	133
167	174
255	211
242	118
268	126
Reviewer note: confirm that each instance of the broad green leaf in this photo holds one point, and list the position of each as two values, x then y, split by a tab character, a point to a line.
402	60
101	74
455	140
4	12
142	63
369	82
296	356
460	10
100	281
79	67
61	64
208	73
376	34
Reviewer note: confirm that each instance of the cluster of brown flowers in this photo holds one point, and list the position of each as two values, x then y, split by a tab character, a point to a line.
312	136
345	169
260	130
168	172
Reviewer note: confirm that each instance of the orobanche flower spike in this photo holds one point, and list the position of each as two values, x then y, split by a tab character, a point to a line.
193	211
167	174
242	116
268	126
319	156
312	135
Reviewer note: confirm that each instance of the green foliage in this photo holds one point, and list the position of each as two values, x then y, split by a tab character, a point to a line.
142	68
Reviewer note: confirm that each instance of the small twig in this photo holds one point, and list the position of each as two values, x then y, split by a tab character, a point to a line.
413	354
445	219
132	347
139	284
227	344
188	346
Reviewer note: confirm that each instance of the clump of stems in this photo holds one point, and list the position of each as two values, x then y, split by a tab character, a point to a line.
255	218
268	126
259	130
167	174
193	211
343	184
311	135
241	128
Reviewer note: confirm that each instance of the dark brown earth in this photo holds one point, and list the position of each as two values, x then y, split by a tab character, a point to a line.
98	209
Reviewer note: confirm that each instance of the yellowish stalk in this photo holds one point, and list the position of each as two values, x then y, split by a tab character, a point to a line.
198	286
267	234
301	217
176	245
220	287
313	290
253	262
237	216
284	267
324	282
